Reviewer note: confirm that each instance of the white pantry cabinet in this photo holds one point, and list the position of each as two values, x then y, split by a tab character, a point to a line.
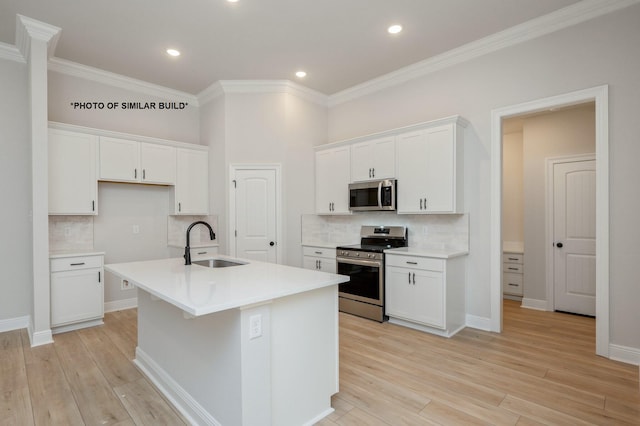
332	180
426	293
319	258
77	291
124	160
191	192
73	184
430	170
374	159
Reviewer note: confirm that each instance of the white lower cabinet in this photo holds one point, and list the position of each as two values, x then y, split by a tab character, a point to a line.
426	293
319	258
77	291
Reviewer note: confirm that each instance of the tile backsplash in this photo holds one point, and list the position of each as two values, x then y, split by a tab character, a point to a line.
450	231
70	233
177	230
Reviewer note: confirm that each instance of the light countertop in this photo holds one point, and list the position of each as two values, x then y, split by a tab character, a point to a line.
427	252
55	254
199	290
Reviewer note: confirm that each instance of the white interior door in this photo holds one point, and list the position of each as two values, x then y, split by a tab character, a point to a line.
574	236
255	215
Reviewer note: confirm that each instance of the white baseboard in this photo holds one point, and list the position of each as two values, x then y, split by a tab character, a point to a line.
419	327
539	305
119	305
11	324
180	398
39	338
624	354
480	323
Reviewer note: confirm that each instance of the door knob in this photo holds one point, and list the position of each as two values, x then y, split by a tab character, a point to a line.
559	245
272	243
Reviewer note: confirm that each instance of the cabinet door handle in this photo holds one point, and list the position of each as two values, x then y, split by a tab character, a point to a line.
179	207
202	252
420	203
513	258
369	172
317	252
135	173
76	264
144	174
93	205
373	172
414	278
515	285
409	277
99	277
412	263
513	269
425	203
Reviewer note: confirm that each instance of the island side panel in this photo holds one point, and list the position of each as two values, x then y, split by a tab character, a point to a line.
201	357
304	336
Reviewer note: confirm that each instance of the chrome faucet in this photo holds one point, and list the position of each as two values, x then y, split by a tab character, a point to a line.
187	249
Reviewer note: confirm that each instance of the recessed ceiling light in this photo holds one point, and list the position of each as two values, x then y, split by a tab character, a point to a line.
394	29
173	52
232	1
301	74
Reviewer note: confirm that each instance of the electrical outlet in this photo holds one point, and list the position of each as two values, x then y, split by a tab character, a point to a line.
136	229
255	326
126	285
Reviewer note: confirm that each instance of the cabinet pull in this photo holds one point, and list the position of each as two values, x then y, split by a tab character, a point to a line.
135	173
93	205
513	258
513	269
319	264
420	203
425	203
515	285
370	173
76	264
373	172
179	207
317	252
412	263
144	174
409	277
202	252
414	278
99	277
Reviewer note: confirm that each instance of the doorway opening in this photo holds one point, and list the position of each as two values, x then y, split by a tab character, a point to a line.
599	96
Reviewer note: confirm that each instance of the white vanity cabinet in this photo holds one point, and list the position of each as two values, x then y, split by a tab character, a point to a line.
512	275
73	184
77	290
430	169
319	258
124	160
191	192
425	293
332	180
374	159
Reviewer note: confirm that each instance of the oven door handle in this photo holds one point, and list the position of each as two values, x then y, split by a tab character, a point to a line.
375	263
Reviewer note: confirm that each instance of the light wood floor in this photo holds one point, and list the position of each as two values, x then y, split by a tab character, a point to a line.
540	370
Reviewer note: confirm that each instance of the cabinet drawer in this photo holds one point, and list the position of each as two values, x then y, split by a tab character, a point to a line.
319	252
516	268
77	262
202	253
414	262
512	283
512	258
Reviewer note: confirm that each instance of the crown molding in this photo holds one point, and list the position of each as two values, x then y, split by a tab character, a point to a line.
11	53
117	80
555	21
28	29
222	87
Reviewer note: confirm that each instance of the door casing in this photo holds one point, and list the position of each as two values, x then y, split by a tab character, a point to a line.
600	95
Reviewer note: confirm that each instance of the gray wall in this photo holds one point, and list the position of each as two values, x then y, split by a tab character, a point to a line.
600	51
16	285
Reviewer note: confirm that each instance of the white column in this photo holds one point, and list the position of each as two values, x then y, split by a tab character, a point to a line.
36	41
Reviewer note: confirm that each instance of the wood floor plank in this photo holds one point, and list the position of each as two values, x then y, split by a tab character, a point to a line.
111	361
96	401
146	406
120	335
51	397
15	402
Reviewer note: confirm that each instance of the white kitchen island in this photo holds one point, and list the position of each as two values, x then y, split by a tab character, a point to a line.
255	344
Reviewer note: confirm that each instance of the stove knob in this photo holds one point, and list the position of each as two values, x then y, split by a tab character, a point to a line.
370	256
357	254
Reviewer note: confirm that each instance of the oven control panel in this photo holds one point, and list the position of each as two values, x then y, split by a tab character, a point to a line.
359	254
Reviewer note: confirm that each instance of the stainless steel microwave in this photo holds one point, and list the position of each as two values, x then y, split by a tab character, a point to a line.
371	196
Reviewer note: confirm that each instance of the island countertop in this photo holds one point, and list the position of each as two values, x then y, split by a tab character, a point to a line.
200	290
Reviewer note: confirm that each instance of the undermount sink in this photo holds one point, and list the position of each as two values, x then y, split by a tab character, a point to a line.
217	263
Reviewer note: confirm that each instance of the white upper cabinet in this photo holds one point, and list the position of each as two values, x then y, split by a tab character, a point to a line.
373	160
124	160
430	170
73	185
191	193
332	180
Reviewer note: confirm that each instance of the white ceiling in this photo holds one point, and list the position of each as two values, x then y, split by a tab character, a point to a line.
340	43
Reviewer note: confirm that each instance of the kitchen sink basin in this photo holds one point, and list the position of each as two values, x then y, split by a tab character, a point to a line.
217	263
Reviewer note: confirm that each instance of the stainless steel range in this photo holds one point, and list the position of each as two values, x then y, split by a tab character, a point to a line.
363	295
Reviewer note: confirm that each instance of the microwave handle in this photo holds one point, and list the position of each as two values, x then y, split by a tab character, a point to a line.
380	195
